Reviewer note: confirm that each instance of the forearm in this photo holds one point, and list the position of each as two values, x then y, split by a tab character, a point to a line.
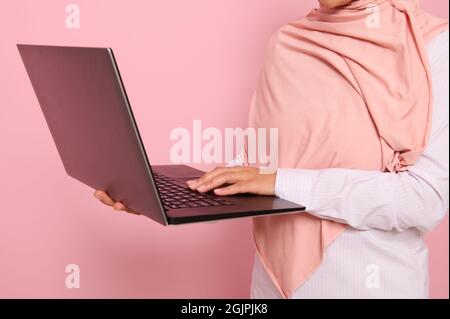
367	199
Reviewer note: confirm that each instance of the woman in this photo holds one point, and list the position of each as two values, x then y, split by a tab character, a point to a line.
359	93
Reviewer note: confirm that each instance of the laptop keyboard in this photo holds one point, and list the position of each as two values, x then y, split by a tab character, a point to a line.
174	196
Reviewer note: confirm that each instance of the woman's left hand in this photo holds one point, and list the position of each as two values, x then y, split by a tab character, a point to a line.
227	181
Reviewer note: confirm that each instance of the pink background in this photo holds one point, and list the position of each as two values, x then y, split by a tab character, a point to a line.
195	59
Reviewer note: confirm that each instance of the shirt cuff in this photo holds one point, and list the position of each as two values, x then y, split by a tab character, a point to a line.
295	185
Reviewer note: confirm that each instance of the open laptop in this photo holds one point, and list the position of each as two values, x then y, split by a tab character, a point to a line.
86	108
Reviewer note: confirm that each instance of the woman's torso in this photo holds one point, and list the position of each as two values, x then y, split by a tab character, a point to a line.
372	263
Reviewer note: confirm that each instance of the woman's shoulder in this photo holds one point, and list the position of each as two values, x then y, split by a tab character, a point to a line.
287	31
438	47
438	55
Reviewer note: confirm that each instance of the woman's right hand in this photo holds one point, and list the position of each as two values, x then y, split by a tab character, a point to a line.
105	199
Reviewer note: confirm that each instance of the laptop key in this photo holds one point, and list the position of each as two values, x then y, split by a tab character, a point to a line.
204	204
209	201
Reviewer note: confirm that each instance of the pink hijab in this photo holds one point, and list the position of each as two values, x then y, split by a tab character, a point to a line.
346	88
